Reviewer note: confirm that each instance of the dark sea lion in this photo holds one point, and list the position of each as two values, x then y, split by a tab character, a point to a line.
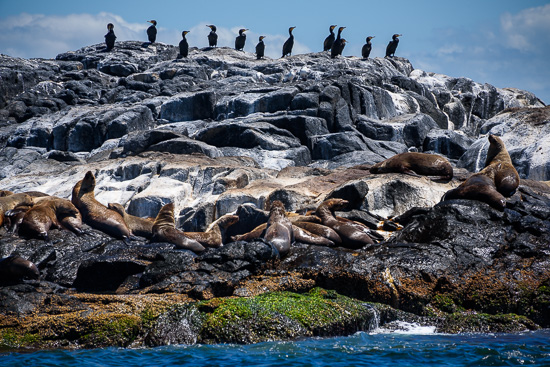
11	201
415	164
164	230
50	212
94	213
14	268
279	229
478	187
142	227
14	217
499	166
215	233
354	235
5	193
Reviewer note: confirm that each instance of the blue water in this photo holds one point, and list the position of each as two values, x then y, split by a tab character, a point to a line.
409	348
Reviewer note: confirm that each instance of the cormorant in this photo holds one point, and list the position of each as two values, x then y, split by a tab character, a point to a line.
337	46
240	40
330	39
367	47
212	36
289	43
260	48
110	37
152	31
340	48
392	46
184	46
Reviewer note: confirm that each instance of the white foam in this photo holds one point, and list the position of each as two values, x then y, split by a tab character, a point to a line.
405	328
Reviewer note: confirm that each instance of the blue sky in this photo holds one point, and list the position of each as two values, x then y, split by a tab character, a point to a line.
502	42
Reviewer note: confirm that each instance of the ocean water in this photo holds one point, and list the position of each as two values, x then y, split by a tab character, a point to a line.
411	345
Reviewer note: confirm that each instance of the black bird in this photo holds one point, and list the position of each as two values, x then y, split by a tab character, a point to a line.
289	43
212	36
110	37
367	47
260	48
330	39
341	48
240	40
392	46
152	31
184	46
337	46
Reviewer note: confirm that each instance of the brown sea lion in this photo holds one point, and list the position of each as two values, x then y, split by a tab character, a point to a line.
142	227
215	233
303	218
320	230
499	166
279	229
354	235
14	217
164	230
300	235
50	212
14	268
5	193
415	164
478	187
11	201
94	213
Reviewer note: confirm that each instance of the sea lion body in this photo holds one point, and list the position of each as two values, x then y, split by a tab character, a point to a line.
354	235
50	212
320	230
413	163
142	227
13	269
478	187
164	230
11	201
94	213
215	233
499	165
279	229
304	236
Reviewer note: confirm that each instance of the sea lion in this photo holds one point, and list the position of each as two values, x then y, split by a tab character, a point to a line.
14	217
300	235
499	166
354	235
11	201
142	227
14	268
279	229
94	213
415	164
215	233
164	230
320	230
5	193
50	212
478	187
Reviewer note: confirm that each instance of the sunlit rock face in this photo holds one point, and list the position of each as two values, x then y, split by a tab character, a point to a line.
220	132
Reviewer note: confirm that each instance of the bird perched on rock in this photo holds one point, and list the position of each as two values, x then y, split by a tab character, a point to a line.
260	48
240	40
184	46
110	37
337	46
392	46
367	47
212	36
334	53
327	45
152	31
289	43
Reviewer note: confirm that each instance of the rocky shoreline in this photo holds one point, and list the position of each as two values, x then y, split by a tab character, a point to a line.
220	132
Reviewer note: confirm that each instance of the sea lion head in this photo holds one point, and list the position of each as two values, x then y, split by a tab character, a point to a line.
497	150
336	204
88	183
117	208
228	220
165	217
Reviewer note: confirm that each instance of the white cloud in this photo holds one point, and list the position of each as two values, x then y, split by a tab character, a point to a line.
527	30
37	35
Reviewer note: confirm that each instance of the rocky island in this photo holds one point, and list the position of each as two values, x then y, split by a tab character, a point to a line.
221	133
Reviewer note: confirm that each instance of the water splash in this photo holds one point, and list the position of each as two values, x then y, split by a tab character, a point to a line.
374	323
478	166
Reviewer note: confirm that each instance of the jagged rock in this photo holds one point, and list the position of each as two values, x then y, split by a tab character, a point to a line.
447	142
